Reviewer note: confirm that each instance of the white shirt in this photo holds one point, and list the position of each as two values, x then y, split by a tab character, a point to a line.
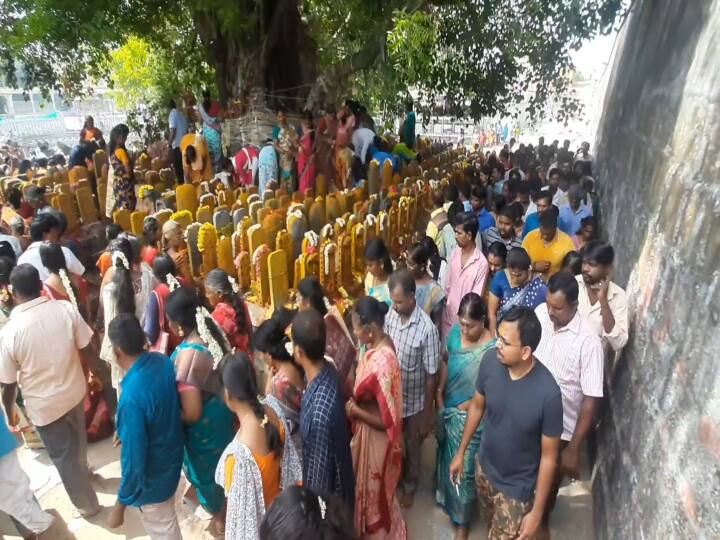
617	338
362	140
574	355
32	256
14	243
560	198
39	349
178	121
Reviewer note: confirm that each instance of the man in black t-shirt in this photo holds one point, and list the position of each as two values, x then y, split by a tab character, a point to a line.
522	406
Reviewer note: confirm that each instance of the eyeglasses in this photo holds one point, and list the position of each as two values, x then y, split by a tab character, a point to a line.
502	342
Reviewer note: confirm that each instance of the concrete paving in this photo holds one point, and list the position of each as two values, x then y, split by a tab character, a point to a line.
571	520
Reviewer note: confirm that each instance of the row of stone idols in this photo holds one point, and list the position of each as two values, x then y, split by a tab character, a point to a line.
270	242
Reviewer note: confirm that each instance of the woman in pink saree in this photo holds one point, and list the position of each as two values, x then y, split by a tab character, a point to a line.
306	156
376	412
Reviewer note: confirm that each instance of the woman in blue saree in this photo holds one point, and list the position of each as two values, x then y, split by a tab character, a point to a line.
467	343
209	424
212	131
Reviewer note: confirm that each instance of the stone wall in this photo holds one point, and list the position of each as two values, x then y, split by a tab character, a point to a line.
657	474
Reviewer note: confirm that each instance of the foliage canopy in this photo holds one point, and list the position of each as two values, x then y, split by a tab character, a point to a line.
475	57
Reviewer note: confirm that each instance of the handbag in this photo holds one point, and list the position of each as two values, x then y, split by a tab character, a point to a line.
162	341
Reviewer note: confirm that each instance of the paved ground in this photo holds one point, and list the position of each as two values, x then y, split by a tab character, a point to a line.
571	520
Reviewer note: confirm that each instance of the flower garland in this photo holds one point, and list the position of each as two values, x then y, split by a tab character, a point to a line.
370	220
256	255
201	315
68	287
382	218
205	231
145	190
233	285
312	238
327	231
181	216
120	256
326	258
340	221
172	281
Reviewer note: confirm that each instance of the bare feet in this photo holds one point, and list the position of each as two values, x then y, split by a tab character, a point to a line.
217	526
461	533
407	500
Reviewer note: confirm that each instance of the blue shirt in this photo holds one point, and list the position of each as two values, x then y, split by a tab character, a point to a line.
531	223
381	157
485	220
8	442
178	121
569	222
151	432
327	461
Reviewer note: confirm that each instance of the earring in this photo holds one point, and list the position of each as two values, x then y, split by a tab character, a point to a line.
181	332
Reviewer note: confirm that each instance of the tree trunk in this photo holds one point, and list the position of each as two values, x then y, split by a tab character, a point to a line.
274	54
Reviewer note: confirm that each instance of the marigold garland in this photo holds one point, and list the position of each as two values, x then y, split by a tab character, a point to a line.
205	231
145	190
181	216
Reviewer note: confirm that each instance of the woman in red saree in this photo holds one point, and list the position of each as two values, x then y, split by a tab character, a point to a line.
229	310
306	156
58	286
376	412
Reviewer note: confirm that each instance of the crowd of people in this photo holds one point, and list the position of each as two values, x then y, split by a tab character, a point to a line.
492	332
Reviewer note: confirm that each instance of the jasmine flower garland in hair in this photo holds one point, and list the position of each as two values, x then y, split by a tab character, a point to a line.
68	287
120	256
201	314
172	282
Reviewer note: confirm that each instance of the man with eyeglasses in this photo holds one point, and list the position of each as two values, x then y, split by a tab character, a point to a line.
522	407
468	270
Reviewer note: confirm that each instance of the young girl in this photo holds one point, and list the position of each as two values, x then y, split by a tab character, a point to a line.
229	309
286	382
251	469
379	266
151	238
156	320
428	294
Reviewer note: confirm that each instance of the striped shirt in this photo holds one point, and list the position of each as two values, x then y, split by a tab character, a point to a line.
493	235
418	350
574	355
